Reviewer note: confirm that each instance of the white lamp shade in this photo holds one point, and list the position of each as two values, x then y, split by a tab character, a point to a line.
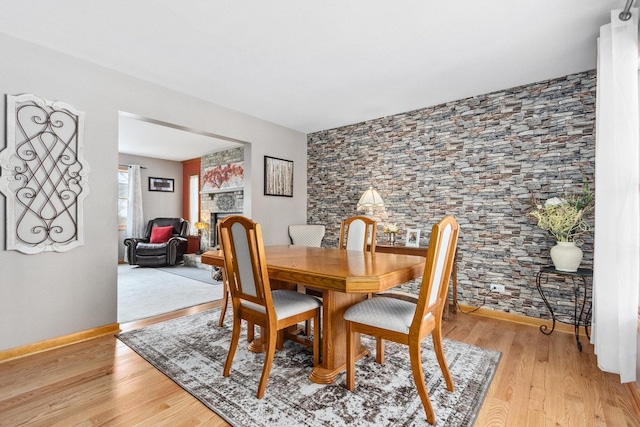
370	199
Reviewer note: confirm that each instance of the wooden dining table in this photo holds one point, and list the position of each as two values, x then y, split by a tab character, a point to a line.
343	278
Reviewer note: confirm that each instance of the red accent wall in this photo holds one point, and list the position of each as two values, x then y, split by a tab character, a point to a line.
189	167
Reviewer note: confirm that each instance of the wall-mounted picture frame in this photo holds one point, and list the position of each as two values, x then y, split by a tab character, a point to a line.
161	184
278	177
413	237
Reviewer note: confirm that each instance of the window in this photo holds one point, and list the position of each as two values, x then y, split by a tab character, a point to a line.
123	196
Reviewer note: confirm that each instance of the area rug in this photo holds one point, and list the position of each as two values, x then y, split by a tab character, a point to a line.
146	292
191	350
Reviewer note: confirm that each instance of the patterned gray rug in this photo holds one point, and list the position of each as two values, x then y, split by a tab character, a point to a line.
191	350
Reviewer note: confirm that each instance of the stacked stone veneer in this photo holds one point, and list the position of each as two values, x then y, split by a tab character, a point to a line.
479	159
231	201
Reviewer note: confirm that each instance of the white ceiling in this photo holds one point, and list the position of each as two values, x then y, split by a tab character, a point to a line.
149	138
318	64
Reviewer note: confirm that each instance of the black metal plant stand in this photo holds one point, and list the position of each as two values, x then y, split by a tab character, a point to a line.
580	317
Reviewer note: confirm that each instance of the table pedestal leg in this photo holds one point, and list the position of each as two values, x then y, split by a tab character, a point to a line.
334	336
258	345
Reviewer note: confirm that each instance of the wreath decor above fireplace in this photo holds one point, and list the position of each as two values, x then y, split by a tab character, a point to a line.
223	178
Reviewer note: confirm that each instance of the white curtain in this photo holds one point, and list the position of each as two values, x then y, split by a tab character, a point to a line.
617	217
135	224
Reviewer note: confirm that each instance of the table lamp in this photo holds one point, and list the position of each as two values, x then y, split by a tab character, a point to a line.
369	200
200	226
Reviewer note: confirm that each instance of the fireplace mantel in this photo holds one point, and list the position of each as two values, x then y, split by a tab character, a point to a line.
223	190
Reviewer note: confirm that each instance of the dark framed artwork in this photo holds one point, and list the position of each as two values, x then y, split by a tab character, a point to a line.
161	184
278	177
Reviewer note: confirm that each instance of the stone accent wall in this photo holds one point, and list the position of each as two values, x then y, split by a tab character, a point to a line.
479	159
231	201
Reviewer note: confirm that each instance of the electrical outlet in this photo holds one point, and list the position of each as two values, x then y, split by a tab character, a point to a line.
497	288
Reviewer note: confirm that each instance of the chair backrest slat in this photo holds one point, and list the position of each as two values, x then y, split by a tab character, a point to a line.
357	233
437	271
440	264
244	259
244	268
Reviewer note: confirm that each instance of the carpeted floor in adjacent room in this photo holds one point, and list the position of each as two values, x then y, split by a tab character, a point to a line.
146	291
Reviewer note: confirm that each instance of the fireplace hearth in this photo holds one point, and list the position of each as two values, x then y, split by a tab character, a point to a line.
215	216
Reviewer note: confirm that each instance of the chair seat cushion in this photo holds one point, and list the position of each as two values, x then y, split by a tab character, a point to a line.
385	313
161	234
151	249
287	303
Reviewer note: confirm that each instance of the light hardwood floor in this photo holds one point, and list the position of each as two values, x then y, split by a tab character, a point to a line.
541	381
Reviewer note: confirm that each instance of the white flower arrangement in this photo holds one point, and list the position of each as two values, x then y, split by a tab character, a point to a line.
390	228
563	218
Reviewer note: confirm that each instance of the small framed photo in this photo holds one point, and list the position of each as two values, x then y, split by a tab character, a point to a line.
413	237
161	184
278	177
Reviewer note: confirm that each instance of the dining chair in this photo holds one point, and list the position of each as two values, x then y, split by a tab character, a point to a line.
252	297
301	235
356	233
307	234
409	322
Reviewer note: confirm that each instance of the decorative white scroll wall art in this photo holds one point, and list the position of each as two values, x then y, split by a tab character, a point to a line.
44	175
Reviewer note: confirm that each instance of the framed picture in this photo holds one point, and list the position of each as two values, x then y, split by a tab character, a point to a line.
161	184
278	177
413	237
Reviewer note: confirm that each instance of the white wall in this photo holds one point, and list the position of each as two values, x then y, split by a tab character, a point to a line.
638	328
54	294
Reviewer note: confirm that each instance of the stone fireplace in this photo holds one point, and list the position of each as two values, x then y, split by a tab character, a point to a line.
215	217
218	204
